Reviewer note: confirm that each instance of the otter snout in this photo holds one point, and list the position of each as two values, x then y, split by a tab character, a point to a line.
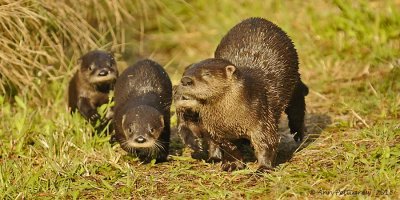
104	72
187	81
140	139
103	75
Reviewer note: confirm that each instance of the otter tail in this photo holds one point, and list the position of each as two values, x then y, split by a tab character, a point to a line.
303	87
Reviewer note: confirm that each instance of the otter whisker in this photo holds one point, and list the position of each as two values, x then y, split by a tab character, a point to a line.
159	145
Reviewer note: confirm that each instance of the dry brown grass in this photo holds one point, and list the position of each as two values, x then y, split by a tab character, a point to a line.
40	38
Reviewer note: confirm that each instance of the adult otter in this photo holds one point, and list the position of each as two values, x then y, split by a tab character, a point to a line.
242	92
89	88
143	95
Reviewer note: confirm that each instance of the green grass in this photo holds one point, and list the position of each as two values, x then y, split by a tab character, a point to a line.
349	57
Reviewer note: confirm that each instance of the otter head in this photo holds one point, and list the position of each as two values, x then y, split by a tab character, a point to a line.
99	68
141	127
204	82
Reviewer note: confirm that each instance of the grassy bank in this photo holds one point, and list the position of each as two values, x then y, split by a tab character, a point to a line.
349	57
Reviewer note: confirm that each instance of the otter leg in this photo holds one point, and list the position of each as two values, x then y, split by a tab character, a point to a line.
107	125
113	139
296	111
164	140
265	146
214	152
189	138
86	108
232	159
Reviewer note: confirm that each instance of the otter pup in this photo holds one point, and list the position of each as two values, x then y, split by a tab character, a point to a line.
143	95
242	92
89	88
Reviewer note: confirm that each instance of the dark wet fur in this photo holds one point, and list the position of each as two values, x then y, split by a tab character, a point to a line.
194	135
144	84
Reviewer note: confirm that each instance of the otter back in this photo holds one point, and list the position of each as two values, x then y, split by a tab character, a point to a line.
260	44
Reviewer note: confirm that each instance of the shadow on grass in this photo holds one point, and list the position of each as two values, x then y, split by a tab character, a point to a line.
315	124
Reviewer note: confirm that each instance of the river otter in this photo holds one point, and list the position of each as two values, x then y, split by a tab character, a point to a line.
143	95
242	92
89	88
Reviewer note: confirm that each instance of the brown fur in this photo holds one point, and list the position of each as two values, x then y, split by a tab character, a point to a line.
194	135
90	86
243	91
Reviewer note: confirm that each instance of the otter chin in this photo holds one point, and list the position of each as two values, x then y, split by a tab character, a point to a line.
109	78
185	102
131	143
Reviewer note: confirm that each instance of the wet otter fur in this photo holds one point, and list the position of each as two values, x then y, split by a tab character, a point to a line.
194	135
90	86
242	92
143	95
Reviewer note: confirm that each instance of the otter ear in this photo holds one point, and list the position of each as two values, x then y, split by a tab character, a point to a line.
230	69
162	120
187	67
79	61
111	53
174	88
123	120
122	126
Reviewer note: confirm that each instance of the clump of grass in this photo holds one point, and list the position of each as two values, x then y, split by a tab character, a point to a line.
32	45
41	40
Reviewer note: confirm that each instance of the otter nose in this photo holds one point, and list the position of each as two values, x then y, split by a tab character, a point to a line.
186	81
103	72
140	139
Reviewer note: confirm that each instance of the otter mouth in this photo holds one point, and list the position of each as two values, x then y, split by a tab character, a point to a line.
130	144
185	101
186	98
103	79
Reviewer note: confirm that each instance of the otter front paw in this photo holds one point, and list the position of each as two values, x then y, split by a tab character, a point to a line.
94	117
113	140
215	153
264	169
214	159
162	157
232	166
298	137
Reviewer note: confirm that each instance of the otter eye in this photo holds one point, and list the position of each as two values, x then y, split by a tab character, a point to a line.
91	67
152	130
206	73
131	129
